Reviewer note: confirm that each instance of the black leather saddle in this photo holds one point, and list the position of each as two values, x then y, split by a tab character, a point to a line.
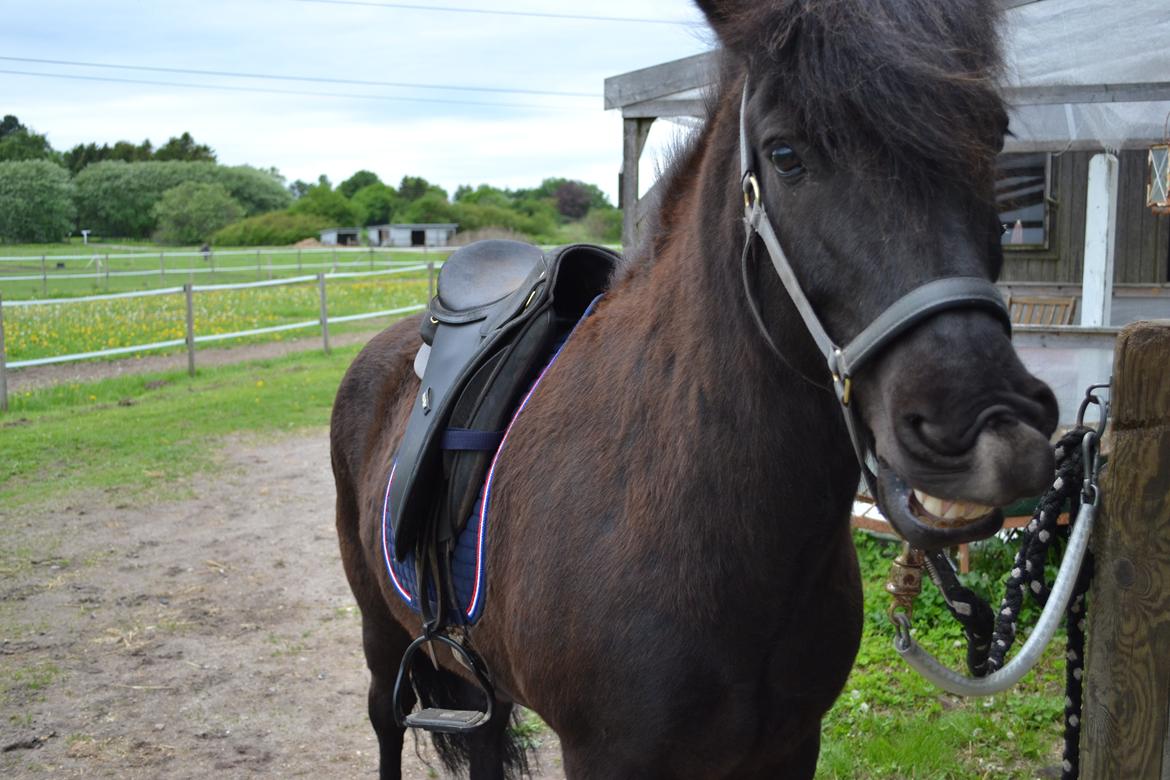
500	309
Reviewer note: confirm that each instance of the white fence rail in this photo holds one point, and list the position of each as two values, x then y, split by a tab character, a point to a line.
191	339
306	259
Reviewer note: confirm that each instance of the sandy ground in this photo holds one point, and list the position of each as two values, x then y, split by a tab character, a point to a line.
208	633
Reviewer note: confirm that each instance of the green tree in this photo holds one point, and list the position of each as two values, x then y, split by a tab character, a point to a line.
18	142
184	148
36	201
378	202
322	200
298	188
193	211
414	187
431	207
361	179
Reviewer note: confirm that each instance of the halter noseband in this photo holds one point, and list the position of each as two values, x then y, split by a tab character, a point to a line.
952	292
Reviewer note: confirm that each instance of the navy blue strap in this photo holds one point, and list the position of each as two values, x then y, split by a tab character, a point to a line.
467	439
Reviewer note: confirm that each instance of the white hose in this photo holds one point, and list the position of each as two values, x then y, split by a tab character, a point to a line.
953	682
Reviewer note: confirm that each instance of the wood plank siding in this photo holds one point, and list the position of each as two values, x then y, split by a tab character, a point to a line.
1143	238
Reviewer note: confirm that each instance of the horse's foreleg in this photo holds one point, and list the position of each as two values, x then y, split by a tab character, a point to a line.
384	642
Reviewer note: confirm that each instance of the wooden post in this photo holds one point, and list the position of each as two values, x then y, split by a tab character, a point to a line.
298	261
188	290
324	312
634	135
107	271
3	362
371	258
1100	240
334	260
258	271
1127	677
162	266
44	278
268	263
430	280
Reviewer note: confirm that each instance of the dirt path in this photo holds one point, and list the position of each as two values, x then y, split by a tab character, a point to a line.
92	370
211	634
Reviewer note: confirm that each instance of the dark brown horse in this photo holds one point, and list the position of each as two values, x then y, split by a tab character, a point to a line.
672	584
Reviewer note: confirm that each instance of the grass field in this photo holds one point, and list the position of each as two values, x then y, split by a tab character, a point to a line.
62	329
50	270
145	434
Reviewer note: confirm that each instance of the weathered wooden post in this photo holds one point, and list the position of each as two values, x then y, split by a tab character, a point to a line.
189	291
259	272
44	277
371	258
107	271
430	280
1127	677
324	312
162	267
3	362
299	269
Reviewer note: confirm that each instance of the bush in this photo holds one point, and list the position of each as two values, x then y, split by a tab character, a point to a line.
36	202
279	228
193	211
117	198
431	207
378	202
604	225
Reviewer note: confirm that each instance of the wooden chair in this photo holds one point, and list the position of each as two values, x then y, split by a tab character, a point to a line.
1041	310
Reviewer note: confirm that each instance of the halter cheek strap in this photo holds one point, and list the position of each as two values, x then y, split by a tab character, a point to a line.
936	296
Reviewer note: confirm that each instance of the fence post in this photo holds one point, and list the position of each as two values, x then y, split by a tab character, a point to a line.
430	280
324	312
44	277
335	260
1127	677
189	292
371	258
299	261
162	266
107	271
3	362
258	271
211	259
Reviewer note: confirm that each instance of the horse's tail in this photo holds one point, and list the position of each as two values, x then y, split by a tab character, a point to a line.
445	690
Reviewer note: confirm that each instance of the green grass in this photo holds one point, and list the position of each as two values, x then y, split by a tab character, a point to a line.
89	326
143	432
155	267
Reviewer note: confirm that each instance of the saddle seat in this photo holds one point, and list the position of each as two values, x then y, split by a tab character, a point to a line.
500	308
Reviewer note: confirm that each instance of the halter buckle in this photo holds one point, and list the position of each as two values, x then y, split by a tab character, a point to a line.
843	384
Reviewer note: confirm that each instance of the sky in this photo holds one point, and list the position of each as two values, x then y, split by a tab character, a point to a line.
449	136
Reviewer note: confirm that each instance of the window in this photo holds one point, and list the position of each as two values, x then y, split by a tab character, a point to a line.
1021	193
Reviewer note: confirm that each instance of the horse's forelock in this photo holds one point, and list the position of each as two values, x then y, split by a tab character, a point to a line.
907	86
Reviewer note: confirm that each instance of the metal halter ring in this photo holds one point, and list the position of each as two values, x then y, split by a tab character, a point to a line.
751	190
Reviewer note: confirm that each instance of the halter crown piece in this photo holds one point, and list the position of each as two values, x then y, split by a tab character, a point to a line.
952	292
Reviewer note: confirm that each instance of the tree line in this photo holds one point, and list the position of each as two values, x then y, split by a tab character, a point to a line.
178	193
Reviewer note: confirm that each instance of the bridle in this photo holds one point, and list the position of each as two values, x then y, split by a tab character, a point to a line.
952	292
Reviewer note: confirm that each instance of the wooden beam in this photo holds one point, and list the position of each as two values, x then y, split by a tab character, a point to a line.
1100	241
654	109
658	81
634	135
1127	677
1058	94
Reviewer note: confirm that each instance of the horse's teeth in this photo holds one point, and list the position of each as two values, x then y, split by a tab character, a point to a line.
950	510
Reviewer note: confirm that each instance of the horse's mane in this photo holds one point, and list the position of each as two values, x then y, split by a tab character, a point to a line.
902	86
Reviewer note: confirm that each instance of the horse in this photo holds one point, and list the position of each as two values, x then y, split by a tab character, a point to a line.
672	585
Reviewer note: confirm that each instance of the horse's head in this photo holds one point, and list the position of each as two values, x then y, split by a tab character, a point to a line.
872	128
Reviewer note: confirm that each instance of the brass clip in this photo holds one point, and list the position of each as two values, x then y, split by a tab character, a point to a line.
905	582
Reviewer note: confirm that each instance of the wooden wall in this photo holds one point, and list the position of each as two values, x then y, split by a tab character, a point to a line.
1143	239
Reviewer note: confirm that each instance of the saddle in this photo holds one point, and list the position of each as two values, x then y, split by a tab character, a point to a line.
500	309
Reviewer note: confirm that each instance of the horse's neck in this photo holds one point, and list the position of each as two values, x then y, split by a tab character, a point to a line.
735	423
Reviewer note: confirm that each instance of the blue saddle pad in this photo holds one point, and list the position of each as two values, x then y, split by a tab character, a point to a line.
468	561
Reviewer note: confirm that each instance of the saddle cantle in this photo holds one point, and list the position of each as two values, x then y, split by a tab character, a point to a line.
500	308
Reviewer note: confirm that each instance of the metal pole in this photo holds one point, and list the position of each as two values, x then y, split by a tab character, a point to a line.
324	313
3	362
44	278
430	280
189	291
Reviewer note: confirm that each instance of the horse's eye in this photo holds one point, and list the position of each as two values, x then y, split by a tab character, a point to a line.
786	162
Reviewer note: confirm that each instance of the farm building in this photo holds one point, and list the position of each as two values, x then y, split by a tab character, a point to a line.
423	234
1084	78
341	236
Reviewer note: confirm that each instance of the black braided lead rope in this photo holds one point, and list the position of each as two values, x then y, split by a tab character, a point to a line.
1074	672
1027	576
